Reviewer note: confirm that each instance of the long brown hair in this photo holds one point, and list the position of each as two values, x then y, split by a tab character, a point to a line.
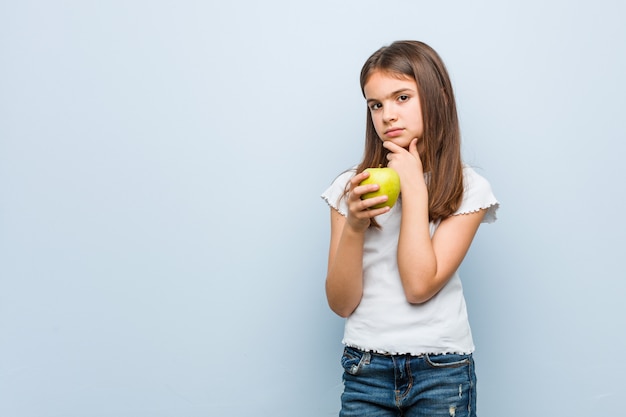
441	140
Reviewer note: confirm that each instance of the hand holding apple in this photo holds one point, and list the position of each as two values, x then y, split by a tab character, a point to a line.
388	181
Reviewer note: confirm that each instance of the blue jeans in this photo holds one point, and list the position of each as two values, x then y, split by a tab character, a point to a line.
402	385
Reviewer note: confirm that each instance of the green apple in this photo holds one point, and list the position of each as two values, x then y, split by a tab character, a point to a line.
389	183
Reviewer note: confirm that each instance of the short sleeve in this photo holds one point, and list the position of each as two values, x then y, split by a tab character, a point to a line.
478	196
334	195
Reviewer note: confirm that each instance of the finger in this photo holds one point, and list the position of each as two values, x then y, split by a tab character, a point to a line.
365	208
369	203
359	191
358	178
373	212
413	148
392	147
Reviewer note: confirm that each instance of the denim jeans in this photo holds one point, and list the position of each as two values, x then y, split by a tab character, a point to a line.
402	385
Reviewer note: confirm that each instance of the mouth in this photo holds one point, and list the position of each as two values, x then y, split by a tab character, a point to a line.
394	132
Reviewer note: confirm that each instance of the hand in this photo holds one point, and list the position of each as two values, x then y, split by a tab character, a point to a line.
407	163
359	211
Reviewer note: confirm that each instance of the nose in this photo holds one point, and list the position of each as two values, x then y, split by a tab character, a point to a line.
389	114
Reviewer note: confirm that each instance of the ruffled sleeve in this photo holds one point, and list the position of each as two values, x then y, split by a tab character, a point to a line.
477	196
334	195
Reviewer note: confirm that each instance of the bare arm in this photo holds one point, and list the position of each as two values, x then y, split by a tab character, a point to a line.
426	264
344	279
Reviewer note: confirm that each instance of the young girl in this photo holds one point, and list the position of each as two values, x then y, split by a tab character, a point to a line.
392	272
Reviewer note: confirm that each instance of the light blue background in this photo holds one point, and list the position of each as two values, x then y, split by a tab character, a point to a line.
162	239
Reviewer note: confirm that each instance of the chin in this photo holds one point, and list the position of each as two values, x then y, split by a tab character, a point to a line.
404	143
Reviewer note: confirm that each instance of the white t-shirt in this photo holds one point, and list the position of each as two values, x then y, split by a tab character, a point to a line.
385	321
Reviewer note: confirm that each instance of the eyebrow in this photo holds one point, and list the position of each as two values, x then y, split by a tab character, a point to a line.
395	93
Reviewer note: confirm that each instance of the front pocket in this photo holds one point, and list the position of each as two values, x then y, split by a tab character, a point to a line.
447	361
353	360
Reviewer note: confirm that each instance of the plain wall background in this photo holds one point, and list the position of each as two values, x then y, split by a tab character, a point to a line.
162	239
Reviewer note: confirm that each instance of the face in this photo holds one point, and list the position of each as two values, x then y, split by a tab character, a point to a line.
395	107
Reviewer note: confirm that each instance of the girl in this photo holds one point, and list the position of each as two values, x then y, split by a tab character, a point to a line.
392	272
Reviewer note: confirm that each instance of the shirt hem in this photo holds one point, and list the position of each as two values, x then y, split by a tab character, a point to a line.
408	352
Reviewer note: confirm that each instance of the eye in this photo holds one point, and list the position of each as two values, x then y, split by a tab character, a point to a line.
403	97
375	106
